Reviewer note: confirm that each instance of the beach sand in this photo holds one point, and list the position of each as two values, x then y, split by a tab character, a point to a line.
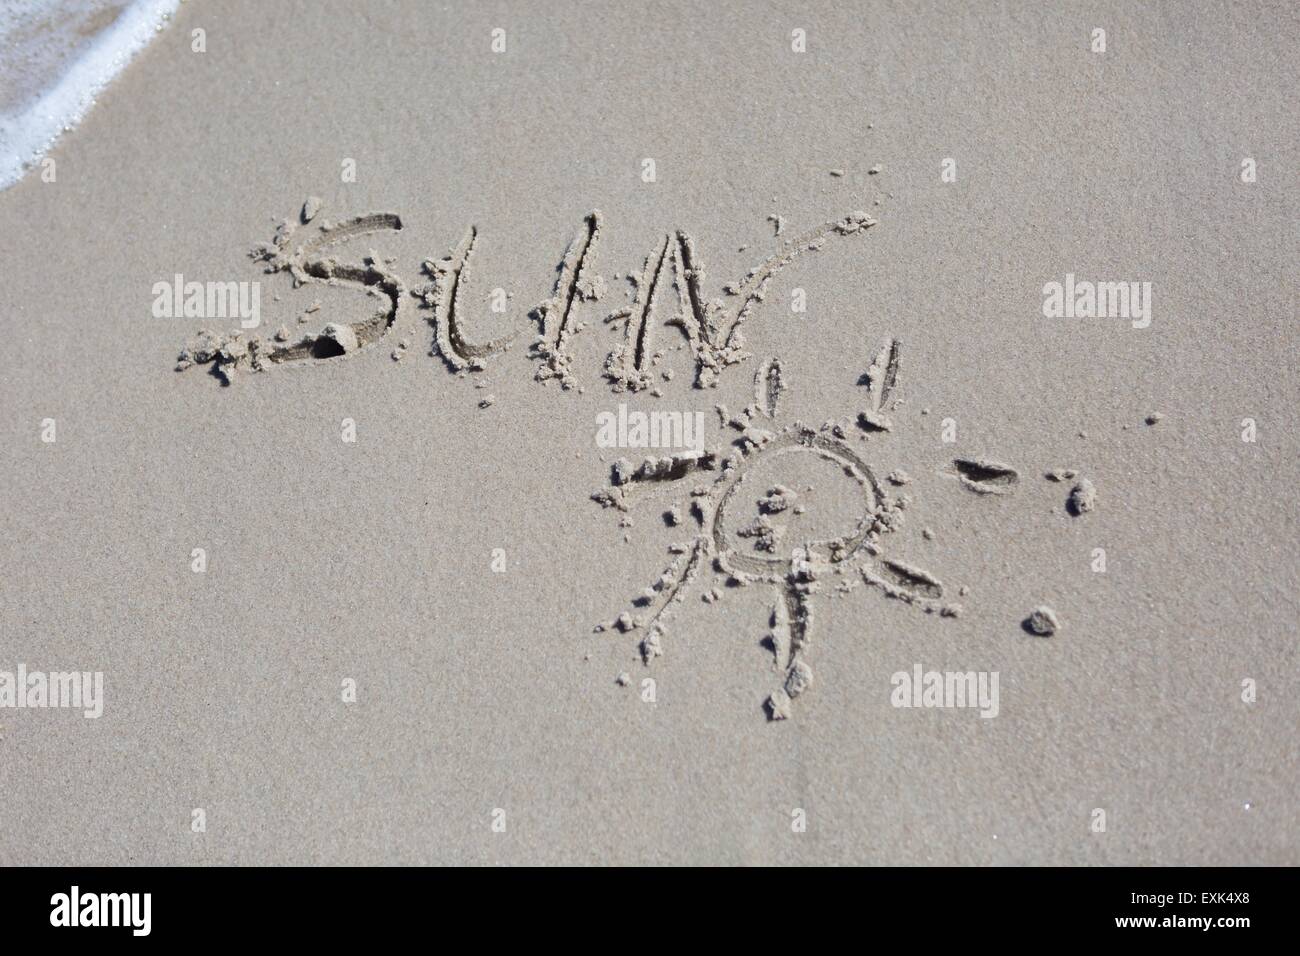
489	723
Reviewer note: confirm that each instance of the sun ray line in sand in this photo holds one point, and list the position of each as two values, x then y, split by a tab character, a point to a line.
768	387
984	476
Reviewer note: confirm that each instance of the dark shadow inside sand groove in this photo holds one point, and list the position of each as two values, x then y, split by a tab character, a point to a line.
984	476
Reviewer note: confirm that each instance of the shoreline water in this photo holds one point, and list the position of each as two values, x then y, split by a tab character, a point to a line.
58	56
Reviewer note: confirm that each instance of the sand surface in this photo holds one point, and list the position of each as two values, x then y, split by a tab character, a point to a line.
479	690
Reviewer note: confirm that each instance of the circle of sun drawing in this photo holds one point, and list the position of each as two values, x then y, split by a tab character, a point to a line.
750	550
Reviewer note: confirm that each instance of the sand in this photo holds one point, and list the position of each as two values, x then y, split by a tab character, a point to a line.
359	610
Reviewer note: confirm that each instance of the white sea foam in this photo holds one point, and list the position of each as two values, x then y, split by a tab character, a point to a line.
55	58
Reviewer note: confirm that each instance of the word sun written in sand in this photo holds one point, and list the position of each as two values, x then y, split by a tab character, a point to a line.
712	329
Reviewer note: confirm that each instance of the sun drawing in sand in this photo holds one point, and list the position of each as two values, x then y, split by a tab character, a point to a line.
758	547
